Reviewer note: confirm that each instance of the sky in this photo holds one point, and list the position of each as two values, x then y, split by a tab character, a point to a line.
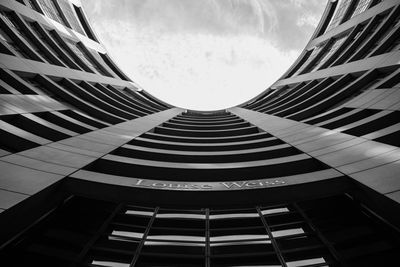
204	54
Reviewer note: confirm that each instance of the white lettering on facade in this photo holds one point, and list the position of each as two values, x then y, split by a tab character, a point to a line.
230	185
210	186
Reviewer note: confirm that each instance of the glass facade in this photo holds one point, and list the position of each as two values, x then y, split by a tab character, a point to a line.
95	172
333	47
70	15
50	9
340	13
330	231
361	6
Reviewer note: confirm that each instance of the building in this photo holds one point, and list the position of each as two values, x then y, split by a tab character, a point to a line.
96	172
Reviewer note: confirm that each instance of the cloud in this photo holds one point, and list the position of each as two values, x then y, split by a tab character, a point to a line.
273	19
207	54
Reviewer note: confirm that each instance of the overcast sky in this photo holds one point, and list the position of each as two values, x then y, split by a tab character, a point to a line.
204	54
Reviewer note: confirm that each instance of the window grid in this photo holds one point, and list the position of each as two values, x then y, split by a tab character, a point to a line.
274	243
308	233
17	47
50	10
362	37
393	29
11	45
62	44
142	242
208	248
70	15
97	235
46	43
383	29
84	57
341	12
11	22
335	46
362	5
360	29
328	244
34	5
225	218
79	52
314	54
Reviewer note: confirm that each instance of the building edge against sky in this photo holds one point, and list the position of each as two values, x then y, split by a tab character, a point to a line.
95	172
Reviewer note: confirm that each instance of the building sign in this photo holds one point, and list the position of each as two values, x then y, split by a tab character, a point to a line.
211	186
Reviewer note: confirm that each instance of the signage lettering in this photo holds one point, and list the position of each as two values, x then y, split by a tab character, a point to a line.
211	186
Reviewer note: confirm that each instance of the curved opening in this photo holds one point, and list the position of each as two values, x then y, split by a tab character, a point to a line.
205	55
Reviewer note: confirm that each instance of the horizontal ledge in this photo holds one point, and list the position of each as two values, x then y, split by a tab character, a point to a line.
180	165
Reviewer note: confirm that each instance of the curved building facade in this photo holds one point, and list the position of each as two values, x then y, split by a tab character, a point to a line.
97	172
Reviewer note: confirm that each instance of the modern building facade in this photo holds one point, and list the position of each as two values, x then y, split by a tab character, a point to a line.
97	172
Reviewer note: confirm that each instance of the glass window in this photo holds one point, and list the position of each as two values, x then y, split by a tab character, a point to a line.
70	15
330	51
235	215
236	237
273	211
127	234
362	5
286	232
110	263
178	238
50	10
138	212
181	215
241	242
340	13
306	262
